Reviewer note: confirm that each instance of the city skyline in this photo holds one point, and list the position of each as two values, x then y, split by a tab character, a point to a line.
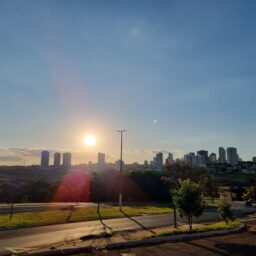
178	75
56	158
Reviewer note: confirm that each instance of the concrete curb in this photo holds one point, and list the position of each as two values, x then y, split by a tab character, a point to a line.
129	244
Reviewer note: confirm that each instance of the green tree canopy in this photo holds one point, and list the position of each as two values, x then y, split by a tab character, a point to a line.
188	200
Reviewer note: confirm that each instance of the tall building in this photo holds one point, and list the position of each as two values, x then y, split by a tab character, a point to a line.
101	160
222	155
212	158
254	159
200	160
232	156
67	160
204	154
170	158
118	164
190	158
159	160
45	155
56	161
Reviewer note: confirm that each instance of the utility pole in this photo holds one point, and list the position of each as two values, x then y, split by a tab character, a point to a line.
121	170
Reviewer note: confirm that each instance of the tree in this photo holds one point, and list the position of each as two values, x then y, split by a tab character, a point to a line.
175	172
250	193
188	200
225	211
10	194
210	188
38	191
97	189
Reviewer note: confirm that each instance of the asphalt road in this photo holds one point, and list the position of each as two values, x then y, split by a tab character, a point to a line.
46	235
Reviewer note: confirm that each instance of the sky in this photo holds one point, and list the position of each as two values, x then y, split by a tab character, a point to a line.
179	76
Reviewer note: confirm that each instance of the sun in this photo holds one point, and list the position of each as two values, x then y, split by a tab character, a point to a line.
89	140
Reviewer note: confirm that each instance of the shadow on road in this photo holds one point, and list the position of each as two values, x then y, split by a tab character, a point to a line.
138	223
227	249
71	209
237	249
105	226
207	248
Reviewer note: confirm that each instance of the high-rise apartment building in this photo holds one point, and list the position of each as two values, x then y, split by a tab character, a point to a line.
56	161
222	155
159	160
204	155
45	155
101	160
170	158
190	158
232	156
67	160
212	158
200	160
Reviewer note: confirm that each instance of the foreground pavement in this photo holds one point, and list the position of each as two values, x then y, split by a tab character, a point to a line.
36	237
20	240
241	244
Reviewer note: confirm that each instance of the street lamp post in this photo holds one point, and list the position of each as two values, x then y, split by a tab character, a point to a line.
121	170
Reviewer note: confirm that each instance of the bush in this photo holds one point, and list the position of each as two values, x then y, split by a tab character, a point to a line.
225	211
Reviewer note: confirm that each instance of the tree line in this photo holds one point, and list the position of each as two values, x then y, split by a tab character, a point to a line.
83	186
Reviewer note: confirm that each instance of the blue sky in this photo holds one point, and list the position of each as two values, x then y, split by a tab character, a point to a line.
69	68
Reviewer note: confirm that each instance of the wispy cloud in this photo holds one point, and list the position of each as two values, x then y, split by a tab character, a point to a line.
10	159
135	31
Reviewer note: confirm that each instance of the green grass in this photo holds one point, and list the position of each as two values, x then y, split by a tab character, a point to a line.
212	206
82	214
211	227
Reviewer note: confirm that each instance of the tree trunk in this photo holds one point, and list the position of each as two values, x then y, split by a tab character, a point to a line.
11	210
190	222
98	207
175	217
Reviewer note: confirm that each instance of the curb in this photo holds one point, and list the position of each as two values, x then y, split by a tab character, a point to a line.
129	244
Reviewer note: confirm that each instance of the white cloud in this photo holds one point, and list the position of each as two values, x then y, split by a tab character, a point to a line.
135	31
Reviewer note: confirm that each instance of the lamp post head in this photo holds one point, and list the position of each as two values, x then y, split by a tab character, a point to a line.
121	131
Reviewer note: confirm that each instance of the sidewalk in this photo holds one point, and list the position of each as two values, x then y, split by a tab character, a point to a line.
105	238
109	241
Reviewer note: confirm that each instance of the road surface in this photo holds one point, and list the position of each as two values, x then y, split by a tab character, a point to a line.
240	244
46	235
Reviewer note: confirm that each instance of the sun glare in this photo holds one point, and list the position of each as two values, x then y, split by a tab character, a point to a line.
89	140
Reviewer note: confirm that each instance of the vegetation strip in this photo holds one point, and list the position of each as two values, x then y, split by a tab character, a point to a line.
202	228
20	220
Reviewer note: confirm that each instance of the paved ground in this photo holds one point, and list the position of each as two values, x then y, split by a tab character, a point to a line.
230	245
46	235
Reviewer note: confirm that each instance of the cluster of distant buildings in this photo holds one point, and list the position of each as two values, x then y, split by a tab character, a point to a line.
66	159
227	156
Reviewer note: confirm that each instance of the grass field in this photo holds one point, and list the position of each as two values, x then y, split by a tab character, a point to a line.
82	214
49	217
199	228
